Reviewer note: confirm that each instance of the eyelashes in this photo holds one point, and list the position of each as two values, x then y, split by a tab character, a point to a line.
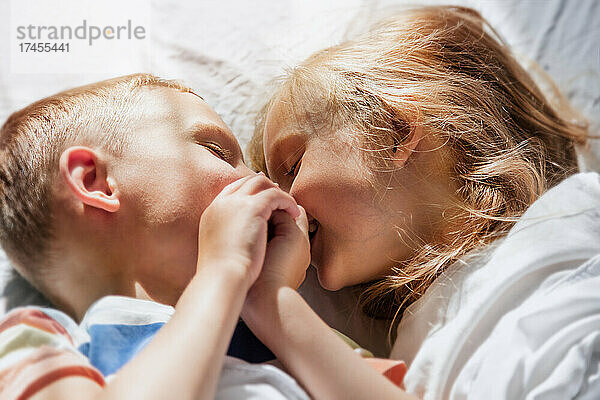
217	150
294	170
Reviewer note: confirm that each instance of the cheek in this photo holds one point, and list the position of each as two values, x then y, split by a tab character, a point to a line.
181	190
204	183
357	240
339	199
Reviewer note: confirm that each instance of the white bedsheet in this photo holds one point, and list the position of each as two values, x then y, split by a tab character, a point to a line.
520	320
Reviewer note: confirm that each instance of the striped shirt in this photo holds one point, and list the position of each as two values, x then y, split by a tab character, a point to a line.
41	345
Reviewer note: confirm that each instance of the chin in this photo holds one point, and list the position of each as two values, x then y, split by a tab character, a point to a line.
328	280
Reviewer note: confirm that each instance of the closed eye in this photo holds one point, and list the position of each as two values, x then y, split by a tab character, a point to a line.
217	150
295	168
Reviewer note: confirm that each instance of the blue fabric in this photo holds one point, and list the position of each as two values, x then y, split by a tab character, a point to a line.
111	346
117	328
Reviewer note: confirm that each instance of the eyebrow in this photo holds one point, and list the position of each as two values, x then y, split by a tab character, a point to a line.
204	127
214	129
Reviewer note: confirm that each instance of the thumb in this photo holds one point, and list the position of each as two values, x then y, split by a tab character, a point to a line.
302	220
281	224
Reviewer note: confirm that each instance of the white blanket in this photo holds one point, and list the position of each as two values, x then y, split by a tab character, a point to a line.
521	319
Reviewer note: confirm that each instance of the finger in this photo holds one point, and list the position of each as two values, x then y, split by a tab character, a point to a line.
276	199
235	185
302	220
302	279
282	223
257	184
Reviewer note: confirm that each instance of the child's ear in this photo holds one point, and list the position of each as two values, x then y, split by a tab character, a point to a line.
85	175
402	150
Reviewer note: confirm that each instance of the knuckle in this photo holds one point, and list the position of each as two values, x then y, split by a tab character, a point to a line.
265	182
260	179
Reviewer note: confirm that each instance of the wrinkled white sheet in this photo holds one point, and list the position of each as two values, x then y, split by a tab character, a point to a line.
521	319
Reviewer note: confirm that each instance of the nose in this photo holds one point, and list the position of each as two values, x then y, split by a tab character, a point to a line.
243	170
295	191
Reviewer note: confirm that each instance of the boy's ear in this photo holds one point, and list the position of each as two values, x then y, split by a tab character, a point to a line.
85	175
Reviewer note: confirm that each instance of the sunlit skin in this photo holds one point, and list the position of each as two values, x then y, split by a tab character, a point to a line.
362	227
180	155
183	156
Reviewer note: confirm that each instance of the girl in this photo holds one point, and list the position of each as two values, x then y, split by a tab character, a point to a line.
409	147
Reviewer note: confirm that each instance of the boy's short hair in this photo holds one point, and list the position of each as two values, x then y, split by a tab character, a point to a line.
31	142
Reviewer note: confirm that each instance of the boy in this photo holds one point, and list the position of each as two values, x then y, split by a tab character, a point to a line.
102	190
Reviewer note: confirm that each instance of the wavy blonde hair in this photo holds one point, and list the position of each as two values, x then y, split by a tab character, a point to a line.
446	64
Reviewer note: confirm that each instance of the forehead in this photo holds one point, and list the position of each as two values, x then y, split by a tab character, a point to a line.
276	119
281	124
290	123
160	106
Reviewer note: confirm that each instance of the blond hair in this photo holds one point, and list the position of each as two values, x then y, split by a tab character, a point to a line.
31	142
446	65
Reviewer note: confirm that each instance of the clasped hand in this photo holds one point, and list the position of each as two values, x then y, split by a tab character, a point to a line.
255	229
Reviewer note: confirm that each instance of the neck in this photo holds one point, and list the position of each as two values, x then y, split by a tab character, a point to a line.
88	258
80	281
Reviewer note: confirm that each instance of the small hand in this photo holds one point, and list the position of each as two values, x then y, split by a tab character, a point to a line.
233	228
288	254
